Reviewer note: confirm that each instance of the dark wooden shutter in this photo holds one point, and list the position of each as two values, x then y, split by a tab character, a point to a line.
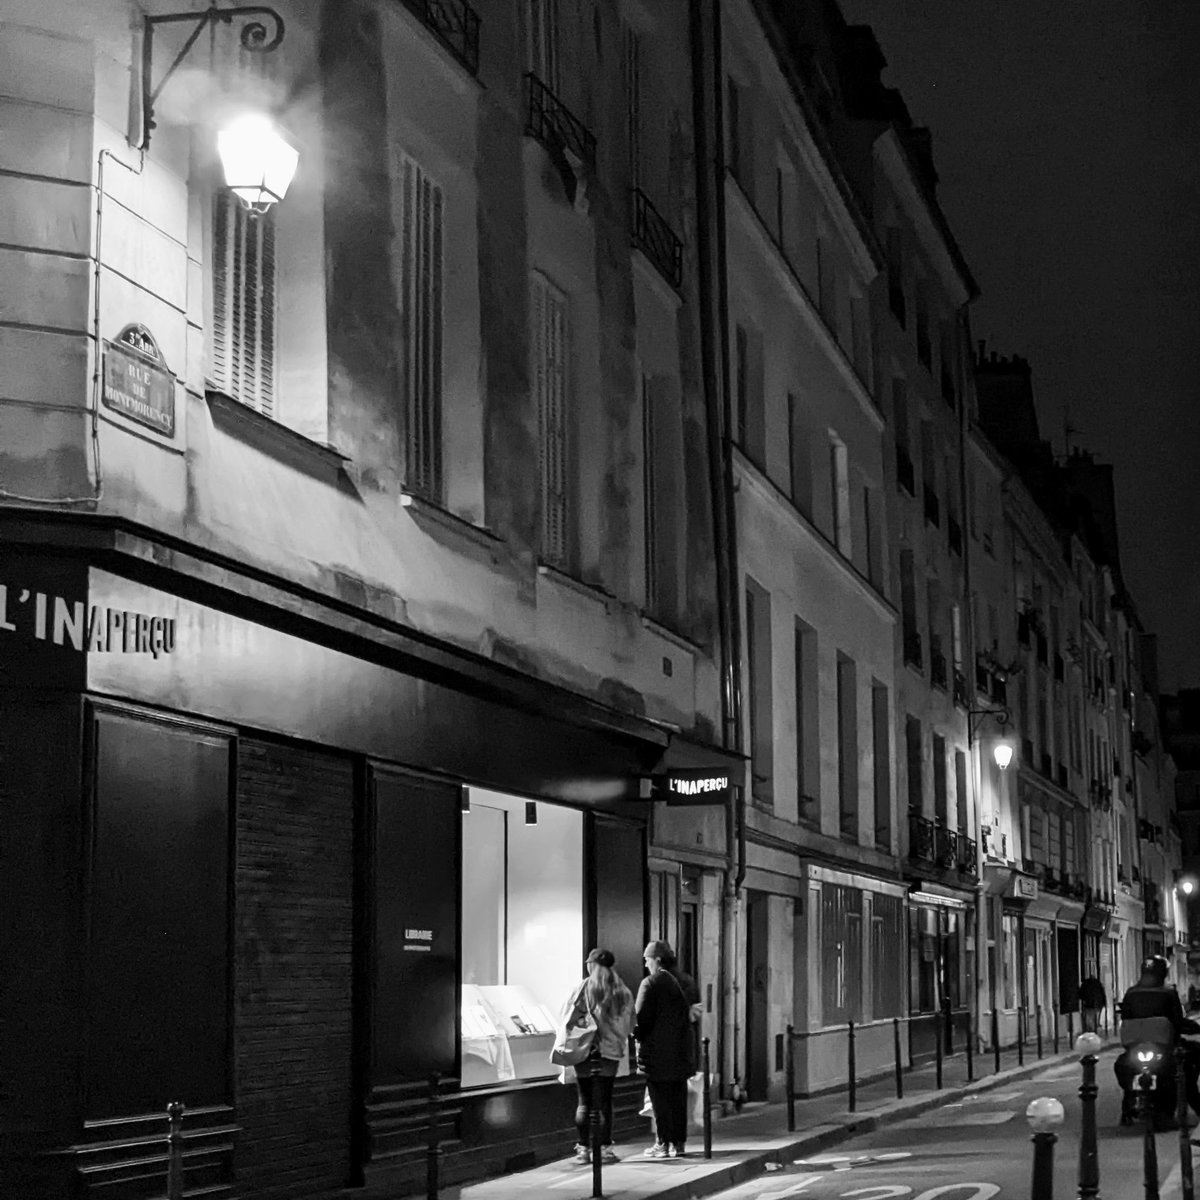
293	983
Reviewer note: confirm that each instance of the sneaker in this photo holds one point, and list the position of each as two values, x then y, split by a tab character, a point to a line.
658	1150
608	1155
678	1151
582	1155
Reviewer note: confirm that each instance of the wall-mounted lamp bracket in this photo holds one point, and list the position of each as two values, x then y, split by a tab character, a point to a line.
257	35
1002	715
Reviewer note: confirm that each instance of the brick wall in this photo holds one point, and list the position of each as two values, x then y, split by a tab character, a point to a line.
293	973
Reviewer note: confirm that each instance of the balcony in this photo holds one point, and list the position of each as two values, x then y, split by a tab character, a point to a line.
912	648
933	510
905	477
938	846
656	239
955	536
456	25
558	129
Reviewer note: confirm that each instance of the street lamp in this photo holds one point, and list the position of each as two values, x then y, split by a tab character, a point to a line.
1185	883
1002	751
258	161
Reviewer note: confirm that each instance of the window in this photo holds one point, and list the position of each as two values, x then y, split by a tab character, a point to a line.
740	150
847	734
908	609
841	954
779	206
649	507
751	416
940	798
1009	932
887	956
827	281
631	68
543	32
662	466
873	533
894	251
960	793
914	755
808	750
420	247
882	770
839	499
758	662
924	349
244	302
860	338
522	892
551	353
799	458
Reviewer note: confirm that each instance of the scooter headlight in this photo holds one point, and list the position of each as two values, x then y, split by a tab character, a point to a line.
1146	1055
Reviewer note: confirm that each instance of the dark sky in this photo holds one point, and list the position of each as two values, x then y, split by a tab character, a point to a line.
1067	137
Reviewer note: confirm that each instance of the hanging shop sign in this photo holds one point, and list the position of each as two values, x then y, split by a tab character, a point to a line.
1022	887
137	383
1096	920
692	787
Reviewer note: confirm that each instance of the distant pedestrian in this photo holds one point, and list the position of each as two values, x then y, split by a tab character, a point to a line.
1092	1000
663	1029
605	997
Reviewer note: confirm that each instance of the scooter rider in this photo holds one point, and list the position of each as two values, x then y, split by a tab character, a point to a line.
1152	997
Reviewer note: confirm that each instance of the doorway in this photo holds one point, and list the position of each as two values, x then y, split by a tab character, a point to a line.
757	993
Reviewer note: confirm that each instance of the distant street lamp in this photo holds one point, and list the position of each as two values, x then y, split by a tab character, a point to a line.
1002	751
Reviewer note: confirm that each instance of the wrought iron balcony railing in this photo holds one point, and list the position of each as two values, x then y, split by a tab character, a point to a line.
937	667
932	843
456	25
921	842
556	126
912	648
656	239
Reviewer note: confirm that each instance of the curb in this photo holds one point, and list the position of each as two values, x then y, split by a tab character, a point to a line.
822	1137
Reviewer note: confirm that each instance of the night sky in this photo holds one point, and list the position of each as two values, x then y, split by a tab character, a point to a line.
1066	134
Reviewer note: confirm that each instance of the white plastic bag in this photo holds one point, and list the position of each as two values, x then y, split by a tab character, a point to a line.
695	1087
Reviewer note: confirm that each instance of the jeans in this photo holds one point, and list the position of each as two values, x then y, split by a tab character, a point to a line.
669	1101
598	1090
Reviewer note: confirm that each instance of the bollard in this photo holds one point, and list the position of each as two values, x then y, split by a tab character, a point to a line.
594	1139
1039	1031
899	1062
708	1096
996	1037
1021	1036
1088	1047
1071	1028
1187	1186
1145	1109
790	1073
433	1151
1055	1014
948	1018
850	1064
1044	1115
175	1151
937	1054
970	1049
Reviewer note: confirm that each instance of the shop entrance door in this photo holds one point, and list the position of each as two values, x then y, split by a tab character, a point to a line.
757	1013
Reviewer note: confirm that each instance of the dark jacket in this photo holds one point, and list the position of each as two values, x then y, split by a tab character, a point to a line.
1156	1002
1091	993
663	1029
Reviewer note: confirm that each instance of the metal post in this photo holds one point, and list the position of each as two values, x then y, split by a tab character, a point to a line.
899	1062
937	1053
1149	1149
708	1096
1039	1031
1089	1162
433	1151
1021	1036
850	1066
1187	1187
970	1048
1043	1166
948	1020
790	1074
175	1151
1070	1028
594	1139
996	1038
1056	1015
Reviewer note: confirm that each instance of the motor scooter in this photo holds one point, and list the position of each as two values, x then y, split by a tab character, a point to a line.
1148	1067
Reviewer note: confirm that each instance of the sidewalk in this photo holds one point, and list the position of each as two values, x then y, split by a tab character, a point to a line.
745	1143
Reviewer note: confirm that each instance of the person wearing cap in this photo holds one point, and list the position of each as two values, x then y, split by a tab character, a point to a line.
602	994
663	1029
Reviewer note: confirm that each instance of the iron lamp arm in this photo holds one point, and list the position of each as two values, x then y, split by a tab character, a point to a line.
974	715
258	35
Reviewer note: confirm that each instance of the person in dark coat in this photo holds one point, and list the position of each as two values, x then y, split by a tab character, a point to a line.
1092	1000
663	1029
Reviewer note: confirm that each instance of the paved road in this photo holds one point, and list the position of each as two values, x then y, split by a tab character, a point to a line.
976	1149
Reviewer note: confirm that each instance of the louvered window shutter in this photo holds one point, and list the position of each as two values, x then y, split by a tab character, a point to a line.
550	357
243	280
421	220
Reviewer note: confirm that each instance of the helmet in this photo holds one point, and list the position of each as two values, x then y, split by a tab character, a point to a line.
1157	966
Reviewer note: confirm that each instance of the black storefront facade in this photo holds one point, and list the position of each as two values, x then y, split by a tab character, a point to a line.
244	875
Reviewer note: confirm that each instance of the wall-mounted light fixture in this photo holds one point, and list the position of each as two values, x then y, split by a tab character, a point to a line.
1002	751
1185	884
258	161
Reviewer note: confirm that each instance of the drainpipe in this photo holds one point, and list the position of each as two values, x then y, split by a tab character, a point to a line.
708	131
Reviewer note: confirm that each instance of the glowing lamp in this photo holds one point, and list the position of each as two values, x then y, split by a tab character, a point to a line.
1088	1044
1187	886
1002	752
258	161
1044	1114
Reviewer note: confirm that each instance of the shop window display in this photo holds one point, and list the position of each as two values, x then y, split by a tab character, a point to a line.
522	934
